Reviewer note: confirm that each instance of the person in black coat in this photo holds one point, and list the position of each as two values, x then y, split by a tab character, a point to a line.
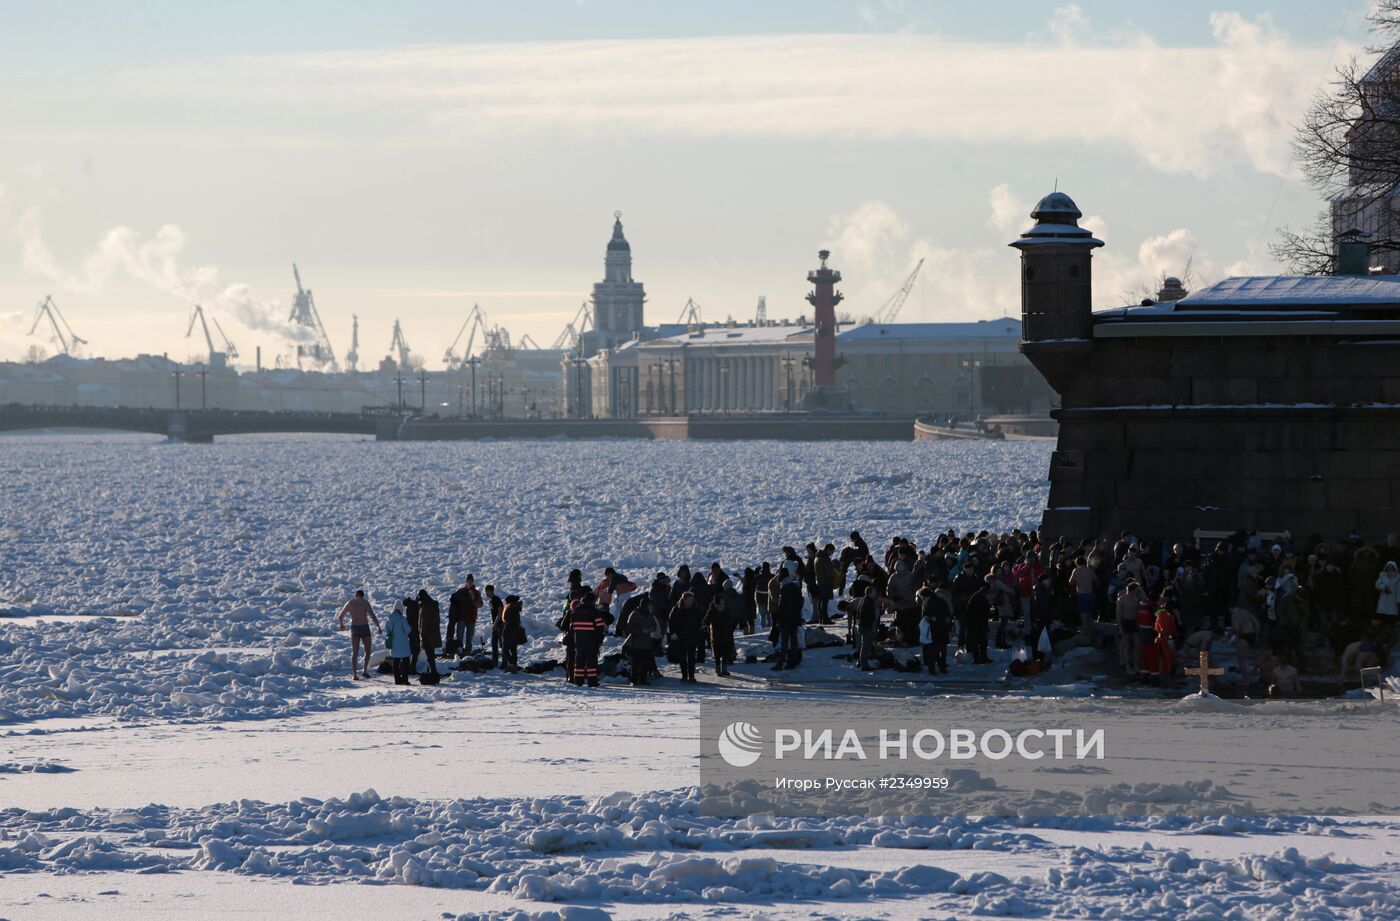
704	594
966	584
685	634
718	627
936	628
429	627
980	610
410	614
788	620
513	634
750	591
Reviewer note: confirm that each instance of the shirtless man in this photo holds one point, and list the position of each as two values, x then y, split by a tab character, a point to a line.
360	614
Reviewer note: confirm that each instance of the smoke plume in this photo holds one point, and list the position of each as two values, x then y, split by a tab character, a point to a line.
155	262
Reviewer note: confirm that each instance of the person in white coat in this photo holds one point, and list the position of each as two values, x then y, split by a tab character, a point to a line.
1388	591
396	633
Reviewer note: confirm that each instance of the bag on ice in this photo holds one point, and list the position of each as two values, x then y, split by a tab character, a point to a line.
1044	645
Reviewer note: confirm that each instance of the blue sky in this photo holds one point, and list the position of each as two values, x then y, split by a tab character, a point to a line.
417	157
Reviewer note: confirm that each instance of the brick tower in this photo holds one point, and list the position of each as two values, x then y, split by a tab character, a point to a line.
824	297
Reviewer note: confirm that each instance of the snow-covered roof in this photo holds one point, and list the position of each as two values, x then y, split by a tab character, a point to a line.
716	336
1384	67
1002	328
1296	290
1365	191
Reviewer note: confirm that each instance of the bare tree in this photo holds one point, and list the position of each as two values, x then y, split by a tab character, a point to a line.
1348	148
1148	291
35	354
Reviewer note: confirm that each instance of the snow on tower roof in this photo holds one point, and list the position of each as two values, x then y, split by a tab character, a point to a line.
1057	221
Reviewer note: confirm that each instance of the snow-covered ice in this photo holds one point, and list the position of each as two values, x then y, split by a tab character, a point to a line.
180	728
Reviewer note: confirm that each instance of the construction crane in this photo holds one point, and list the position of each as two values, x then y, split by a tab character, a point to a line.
573	330
498	339
476	320
760	314
352	357
890	309
399	345
229	348
217	358
68	341
304	313
690	313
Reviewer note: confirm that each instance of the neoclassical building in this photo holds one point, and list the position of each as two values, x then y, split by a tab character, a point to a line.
624	368
965	369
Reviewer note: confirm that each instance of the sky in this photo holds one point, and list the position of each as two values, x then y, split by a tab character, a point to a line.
417	158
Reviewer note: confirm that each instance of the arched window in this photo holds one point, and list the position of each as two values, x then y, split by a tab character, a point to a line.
925	392
853	391
889	394
962	396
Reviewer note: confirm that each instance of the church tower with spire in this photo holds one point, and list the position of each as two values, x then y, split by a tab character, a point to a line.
618	299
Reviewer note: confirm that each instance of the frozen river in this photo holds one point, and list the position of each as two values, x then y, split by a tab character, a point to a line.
177	727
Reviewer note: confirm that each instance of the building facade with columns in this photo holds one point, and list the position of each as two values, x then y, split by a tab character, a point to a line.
963	369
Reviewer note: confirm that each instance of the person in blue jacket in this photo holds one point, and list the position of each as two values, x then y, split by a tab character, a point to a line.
396	633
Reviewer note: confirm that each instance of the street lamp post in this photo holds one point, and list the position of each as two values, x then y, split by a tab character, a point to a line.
579	364
671	362
971	364
473	362
788	361
203	388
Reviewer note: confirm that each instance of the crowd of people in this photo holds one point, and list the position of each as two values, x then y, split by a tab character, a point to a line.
1279	601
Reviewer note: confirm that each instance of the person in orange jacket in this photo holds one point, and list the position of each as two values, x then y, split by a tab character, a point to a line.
1164	624
1147	641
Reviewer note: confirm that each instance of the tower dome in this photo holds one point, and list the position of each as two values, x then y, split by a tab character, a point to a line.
1056	221
618	241
1058	208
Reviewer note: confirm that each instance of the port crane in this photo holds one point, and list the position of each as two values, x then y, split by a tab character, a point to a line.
352	357
690	313
399	345
475	321
574	329
217	358
68	341
304	313
890	309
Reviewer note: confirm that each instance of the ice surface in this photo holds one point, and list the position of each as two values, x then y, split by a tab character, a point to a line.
166	638
237	555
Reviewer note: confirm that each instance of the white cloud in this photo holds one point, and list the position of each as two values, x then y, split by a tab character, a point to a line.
875	249
1181	109
1010	215
122	254
1068	23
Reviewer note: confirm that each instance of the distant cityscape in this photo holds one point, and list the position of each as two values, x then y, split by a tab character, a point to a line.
607	363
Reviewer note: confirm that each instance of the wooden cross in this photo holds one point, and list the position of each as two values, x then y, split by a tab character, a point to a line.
1205	671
